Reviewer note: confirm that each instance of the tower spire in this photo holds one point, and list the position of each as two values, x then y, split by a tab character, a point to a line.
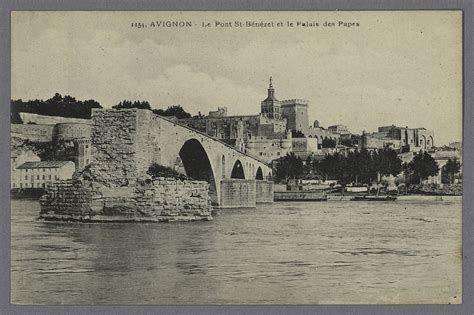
271	90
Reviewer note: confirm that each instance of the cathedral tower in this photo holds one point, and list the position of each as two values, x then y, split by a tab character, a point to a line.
271	107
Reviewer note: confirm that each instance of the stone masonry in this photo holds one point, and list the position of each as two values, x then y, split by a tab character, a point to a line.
158	200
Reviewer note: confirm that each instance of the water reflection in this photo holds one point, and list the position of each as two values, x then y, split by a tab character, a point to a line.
334	252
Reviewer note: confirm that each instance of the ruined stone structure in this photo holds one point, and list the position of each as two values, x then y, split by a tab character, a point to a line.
160	200
116	184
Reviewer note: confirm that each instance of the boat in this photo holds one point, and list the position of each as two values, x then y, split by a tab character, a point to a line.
373	198
300	196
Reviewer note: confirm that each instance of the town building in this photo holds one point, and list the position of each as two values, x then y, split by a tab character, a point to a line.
340	129
17	158
442	157
266	149
351	140
321	134
399	138
71	132
39	174
304	147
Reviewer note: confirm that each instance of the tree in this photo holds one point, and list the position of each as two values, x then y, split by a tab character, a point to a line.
450	168
175	110
423	165
130	104
289	166
360	166
57	105
387	162
328	143
407	174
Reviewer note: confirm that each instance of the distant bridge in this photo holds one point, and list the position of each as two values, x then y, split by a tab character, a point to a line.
126	142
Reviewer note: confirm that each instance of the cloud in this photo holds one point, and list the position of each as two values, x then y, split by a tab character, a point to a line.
363	78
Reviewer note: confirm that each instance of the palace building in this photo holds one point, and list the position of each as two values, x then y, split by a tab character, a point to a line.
267	135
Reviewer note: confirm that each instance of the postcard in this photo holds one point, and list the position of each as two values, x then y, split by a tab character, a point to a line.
236	157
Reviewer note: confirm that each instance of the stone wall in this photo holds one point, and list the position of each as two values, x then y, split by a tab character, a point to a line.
113	142
66	199
159	200
264	191
33	132
238	193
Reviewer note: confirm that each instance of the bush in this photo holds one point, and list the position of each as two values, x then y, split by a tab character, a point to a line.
156	170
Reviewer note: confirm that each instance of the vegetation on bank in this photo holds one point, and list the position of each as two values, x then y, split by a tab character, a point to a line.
69	107
174	110
47	151
360	167
449	170
58	105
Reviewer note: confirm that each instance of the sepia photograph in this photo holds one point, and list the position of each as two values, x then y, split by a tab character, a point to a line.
236	157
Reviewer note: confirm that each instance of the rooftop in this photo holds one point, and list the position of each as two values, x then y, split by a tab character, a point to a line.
43	164
17	152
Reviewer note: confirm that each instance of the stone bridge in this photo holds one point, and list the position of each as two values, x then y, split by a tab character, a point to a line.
126	142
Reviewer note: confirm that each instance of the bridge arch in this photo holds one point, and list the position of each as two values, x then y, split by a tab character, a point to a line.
259	174
238	170
197	165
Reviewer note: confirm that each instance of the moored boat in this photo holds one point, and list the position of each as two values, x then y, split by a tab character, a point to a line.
373	198
300	196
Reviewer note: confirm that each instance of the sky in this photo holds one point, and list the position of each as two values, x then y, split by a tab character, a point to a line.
402	68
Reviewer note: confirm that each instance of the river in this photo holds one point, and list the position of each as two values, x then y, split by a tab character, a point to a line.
282	253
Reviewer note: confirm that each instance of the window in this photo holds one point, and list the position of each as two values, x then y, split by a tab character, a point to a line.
49	177
44	170
261	153
26	176
21	185
14	185
44	177
37	177
56	177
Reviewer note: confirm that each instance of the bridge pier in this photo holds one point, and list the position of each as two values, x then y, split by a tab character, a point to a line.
245	193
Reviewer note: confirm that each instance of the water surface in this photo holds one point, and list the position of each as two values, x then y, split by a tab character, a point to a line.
283	253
